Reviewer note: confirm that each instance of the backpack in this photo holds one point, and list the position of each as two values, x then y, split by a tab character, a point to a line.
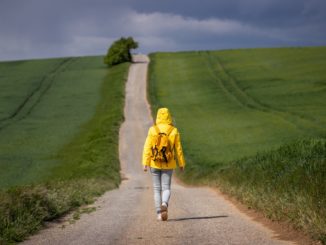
161	148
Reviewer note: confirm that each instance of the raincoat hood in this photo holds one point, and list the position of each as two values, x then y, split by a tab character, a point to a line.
163	116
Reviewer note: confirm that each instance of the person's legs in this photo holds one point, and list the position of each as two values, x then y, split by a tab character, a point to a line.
156	175
166	185
166	192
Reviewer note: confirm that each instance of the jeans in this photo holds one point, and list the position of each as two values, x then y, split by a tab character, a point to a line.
162	186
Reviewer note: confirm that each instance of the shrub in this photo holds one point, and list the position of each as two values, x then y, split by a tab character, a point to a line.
119	51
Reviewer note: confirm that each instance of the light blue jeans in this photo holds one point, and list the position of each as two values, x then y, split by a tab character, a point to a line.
162	186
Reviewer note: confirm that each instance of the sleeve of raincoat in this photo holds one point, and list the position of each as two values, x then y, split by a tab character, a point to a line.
147	150
179	152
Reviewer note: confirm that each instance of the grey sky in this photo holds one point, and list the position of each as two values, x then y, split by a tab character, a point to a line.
52	28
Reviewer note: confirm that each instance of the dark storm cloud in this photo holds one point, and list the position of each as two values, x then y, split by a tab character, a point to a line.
258	12
44	28
50	28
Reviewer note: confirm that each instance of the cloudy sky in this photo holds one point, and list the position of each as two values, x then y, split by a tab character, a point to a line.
53	28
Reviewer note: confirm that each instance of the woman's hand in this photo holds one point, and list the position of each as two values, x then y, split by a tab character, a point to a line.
182	169
145	168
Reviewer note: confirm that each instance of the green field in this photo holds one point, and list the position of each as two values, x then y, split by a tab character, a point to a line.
59	124
44	103
231	105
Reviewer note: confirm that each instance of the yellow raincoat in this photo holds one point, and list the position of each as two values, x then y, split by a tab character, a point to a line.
164	122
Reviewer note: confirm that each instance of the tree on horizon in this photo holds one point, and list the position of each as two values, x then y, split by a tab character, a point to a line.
119	51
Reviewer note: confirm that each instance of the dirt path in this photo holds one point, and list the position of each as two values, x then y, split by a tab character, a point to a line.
127	215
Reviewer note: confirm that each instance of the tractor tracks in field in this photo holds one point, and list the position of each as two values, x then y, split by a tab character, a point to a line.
35	96
230	87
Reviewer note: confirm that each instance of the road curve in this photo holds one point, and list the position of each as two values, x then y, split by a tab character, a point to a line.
127	216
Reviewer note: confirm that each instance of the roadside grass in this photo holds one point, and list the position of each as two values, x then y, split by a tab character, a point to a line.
286	184
232	105
24	209
72	134
93	153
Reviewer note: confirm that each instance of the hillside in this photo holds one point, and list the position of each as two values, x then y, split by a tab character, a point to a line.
59	129
252	122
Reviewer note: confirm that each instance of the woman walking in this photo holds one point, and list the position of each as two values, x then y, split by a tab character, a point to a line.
162	147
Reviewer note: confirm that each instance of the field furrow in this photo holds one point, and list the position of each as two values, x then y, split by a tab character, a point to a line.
226	82
230	86
32	99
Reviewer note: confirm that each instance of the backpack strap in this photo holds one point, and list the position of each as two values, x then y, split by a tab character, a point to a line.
158	133
170	130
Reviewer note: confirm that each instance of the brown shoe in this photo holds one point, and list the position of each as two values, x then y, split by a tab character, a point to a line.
164	212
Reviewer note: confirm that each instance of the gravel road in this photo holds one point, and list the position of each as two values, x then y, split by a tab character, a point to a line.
127	216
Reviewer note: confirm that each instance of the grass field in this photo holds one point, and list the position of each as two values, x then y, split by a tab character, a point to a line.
59	124
232	105
46	102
